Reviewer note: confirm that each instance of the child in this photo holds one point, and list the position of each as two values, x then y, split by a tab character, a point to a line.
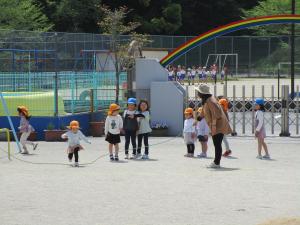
189	132
130	126
224	104
260	132
25	129
113	127
74	135
144	128
202	133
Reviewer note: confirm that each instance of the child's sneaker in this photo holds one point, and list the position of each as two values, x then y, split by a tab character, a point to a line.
35	146
227	153
259	157
139	155
76	164
70	160
266	157
126	156
202	155
116	158
189	155
213	166
25	152
111	158
133	156
145	157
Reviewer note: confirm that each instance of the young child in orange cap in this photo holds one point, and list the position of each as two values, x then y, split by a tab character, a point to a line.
224	104
74	135
189	132
25	129
113	127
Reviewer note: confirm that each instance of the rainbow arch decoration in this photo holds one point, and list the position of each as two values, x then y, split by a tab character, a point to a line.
225	29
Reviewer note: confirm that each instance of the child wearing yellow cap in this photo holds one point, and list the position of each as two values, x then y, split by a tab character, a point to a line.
74	135
113	127
189	132
25	129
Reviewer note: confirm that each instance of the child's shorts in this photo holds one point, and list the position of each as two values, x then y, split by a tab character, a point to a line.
202	138
113	138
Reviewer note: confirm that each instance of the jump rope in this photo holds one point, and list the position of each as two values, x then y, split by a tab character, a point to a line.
82	164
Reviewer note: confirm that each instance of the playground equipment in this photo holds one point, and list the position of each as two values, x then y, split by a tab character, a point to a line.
6	131
7	113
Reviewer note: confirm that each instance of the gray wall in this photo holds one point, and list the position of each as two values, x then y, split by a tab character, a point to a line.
167	104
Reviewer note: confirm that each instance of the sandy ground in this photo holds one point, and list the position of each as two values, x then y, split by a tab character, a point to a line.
168	189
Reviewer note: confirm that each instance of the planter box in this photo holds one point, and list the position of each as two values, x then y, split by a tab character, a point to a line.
97	129
54	135
32	136
159	132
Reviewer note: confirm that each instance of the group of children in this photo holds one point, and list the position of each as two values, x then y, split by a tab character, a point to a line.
180	73
136	125
196	127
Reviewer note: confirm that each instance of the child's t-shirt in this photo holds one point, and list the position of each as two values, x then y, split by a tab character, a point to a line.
144	123
113	124
202	128
129	123
189	126
74	138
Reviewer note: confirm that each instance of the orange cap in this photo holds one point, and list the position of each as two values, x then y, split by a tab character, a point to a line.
24	110
113	107
74	125
224	103
188	111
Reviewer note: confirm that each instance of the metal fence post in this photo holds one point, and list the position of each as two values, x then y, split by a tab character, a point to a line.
285	111
234	110
297	111
72	92
272	108
253	111
263	91
215	90
244	108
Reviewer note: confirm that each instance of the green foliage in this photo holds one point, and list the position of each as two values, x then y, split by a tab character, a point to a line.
50	126
272	7
23	15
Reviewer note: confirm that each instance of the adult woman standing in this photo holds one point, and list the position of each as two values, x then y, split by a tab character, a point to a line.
216	121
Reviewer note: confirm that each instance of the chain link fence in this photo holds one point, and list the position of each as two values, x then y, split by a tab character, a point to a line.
35	51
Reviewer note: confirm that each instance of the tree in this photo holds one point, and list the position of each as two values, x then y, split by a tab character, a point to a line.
23	15
272	7
113	24
155	16
72	15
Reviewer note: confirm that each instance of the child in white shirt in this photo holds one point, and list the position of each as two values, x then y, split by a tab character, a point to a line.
202	133
189	132
74	135
113	127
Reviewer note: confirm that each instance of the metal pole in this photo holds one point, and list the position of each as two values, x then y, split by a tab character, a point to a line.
233	111
272	109
293	52
285	111
297	112
253	111
56	79
278	83
244	108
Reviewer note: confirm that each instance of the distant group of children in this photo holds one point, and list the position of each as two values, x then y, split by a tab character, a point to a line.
196	127
136	125
204	74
